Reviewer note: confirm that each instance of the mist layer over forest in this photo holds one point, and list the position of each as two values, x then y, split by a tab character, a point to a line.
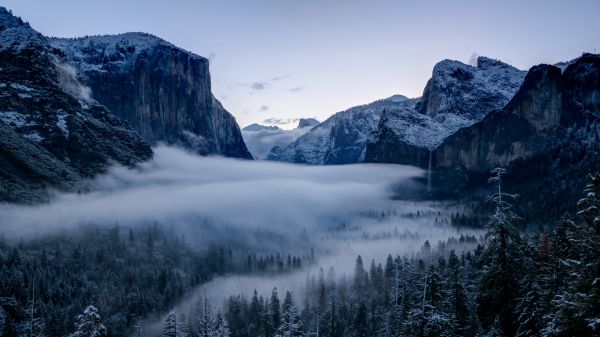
322	216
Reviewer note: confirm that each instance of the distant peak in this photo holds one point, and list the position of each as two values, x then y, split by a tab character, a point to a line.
258	127
306	122
397	98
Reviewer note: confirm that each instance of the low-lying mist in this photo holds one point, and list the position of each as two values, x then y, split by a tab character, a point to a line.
181	188
335	212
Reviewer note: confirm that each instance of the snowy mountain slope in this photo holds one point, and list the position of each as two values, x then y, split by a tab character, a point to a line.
51	132
258	127
340	139
261	139
456	96
163	91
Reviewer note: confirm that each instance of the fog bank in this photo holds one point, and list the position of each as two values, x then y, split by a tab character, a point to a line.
178	187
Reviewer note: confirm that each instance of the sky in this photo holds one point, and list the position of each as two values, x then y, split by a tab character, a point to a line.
279	60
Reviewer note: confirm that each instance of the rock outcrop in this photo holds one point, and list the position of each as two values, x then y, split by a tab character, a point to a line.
162	91
549	104
456	96
51	133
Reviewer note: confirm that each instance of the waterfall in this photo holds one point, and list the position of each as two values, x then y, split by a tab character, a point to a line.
429	172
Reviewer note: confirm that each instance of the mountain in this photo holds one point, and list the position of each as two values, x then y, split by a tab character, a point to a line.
550	131
262	139
258	127
341	139
162	91
51	133
306	122
456	96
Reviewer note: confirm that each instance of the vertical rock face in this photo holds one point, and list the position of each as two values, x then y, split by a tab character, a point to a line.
51	133
456	96
546	107
163	91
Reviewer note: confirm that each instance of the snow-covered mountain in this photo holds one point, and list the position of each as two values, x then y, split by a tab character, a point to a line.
259	127
306	122
340	139
261	139
163	91
51	132
554	104
456	96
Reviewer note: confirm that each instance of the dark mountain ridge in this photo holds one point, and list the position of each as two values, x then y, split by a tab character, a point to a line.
51	133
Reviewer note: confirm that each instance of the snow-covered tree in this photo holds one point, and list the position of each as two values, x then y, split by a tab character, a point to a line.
576	304
89	324
170	327
33	327
275	309
206	321
221	326
498	289
290	326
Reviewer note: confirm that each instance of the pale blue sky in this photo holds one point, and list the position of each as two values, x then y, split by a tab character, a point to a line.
310	58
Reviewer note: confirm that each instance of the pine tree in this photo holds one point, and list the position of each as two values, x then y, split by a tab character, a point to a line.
275	309
89	324
576	305
533	305
221	327
360	278
205	320
170	326
34	327
461	313
254	315
589	279
498	288
290	326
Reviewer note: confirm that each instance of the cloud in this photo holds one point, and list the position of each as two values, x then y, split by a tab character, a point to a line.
264	84
280	121
181	188
297	89
473	59
258	85
263	108
69	81
261	142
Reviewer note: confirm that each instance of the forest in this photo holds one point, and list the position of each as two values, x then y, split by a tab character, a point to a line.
514	283
125	274
545	283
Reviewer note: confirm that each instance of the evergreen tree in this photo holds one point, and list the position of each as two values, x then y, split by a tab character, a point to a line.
275	309
499	277
205	320
34	326
221	327
170	326
89	324
291	326
577	302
